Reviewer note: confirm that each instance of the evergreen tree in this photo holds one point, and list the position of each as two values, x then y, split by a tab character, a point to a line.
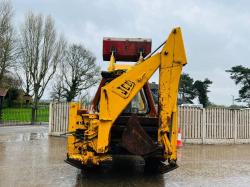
186	91
241	76
201	88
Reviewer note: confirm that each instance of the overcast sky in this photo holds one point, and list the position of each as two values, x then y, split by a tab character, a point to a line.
216	33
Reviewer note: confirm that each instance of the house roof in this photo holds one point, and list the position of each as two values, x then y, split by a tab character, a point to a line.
3	92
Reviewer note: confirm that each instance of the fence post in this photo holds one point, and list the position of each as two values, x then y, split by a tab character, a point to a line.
203	125
235	126
50	117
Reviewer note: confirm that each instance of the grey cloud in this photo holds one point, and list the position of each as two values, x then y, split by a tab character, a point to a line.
216	33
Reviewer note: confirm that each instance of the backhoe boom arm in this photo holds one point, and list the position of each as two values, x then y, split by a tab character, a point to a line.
116	95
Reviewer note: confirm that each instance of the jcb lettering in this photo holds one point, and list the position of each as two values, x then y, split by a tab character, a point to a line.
124	89
124	92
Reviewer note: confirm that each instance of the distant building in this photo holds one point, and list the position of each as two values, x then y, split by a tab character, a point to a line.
154	89
17	97
3	92
193	105
26	98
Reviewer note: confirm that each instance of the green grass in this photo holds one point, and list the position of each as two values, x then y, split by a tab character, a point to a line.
24	114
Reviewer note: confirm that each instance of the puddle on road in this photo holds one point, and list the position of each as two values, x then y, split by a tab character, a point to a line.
120	180
35	159
23	137
124	172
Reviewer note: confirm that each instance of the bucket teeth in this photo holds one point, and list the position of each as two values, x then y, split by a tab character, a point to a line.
135	139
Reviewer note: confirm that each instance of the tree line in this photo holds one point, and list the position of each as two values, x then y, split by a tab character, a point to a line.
241	77
190	89
34	54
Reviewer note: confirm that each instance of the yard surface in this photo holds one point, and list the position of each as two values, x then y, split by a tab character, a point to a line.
29	157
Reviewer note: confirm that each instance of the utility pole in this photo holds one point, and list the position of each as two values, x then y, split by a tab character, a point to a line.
232	99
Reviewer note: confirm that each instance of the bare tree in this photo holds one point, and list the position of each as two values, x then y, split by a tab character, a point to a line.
27	82
57	89
79	71
85	100
11	80
41	51
8	52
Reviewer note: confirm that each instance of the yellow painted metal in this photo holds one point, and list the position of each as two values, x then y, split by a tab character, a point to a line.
117	94
122	67
73	125
90	157
113	66
174	136
173	58
112	63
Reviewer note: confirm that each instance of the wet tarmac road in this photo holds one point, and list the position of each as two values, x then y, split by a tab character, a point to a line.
28	157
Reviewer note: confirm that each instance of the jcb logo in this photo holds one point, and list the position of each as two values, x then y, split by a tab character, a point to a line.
124	89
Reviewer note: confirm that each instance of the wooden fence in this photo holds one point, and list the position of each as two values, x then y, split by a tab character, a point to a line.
214	125
58	118
207	126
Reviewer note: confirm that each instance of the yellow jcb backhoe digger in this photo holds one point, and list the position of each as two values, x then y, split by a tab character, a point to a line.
123	119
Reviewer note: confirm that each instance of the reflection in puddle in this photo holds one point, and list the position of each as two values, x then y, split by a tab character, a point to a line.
123	172
23	137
